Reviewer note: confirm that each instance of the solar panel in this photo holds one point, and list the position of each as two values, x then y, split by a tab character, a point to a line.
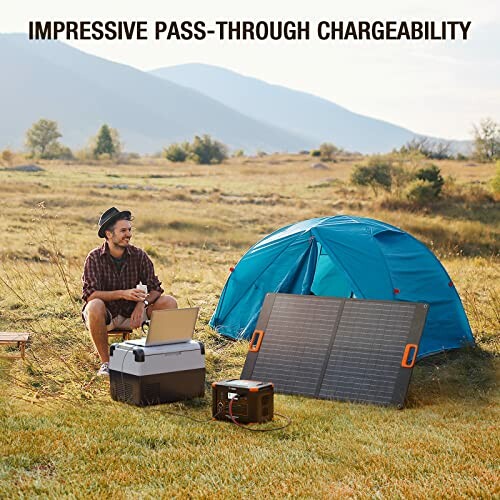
335	348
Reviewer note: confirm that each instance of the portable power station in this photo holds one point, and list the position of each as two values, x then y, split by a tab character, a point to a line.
252	401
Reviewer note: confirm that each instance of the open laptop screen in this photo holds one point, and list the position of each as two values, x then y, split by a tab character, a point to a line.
170	326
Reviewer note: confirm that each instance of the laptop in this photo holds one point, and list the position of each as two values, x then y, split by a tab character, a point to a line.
169	326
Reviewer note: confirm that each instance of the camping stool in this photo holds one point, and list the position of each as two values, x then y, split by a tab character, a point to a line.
18	338
123	332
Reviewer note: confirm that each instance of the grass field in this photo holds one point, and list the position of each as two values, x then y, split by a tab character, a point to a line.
62	435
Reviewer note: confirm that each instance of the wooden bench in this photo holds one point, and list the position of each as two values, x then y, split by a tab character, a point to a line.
120	332
18	338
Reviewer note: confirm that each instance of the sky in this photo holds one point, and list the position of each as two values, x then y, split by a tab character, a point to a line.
438	88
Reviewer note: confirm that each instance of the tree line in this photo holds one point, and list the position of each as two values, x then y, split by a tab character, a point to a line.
42	141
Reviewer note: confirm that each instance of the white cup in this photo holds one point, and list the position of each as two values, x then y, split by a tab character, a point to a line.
142	287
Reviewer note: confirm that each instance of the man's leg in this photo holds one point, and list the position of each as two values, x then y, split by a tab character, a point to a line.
96	310
163	302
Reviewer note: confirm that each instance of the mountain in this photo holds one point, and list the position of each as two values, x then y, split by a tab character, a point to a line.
304	114
43	79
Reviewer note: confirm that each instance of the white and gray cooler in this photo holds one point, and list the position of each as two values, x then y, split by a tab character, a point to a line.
158	374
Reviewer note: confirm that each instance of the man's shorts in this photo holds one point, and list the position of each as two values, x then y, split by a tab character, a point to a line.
116	323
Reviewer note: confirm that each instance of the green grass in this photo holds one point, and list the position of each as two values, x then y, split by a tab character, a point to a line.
62	435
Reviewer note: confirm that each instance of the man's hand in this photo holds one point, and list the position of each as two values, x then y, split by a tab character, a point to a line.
136	317
134	294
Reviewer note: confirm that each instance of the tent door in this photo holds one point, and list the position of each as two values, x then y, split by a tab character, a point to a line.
329	280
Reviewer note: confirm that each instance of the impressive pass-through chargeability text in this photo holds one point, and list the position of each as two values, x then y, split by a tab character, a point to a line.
249	30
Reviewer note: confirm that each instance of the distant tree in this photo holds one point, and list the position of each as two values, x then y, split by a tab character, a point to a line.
316	153
441	150
487	140
177	152
41	136
104	143
327	151
434	150
205	150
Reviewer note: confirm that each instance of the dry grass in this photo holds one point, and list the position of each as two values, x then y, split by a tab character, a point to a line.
62	435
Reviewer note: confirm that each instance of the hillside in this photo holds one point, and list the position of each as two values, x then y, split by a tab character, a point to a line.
304	114
81	92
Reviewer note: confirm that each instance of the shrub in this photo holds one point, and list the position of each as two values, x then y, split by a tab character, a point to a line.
432	175
377	174
7	157
176	153
316	153
207	151
57	151
132	156
421	192
327	151
401	176
84	154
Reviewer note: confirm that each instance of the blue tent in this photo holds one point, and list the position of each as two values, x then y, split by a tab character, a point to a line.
344	256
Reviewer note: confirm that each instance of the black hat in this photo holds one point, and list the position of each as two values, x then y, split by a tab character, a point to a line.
110	216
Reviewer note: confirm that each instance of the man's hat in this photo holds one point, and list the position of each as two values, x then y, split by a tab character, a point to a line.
110	216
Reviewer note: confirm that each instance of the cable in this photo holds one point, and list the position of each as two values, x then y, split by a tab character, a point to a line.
233	419
126	397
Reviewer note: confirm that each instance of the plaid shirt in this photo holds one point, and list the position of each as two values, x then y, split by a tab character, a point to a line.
100	274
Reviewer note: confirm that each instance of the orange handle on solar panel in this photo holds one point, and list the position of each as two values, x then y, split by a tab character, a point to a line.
404	361
256	347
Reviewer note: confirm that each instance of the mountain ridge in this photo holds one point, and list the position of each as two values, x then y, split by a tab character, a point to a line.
302	112
81	91
150	110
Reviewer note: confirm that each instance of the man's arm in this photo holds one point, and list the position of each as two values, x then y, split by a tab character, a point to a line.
150	279
136	317
153	295
133	294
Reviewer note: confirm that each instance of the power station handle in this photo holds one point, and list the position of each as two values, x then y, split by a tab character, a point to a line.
406	355
255	342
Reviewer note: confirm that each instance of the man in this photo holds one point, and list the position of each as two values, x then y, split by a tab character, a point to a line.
110	277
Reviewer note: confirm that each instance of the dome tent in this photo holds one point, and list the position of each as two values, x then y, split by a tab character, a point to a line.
344	256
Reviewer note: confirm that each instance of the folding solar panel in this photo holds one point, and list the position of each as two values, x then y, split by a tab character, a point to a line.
335	348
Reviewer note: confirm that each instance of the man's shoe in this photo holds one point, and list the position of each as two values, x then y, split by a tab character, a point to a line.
104	370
